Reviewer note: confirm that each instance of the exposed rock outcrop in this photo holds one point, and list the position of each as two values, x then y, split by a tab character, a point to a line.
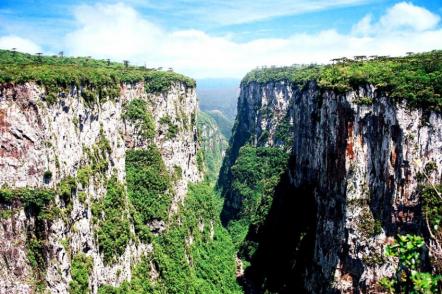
350	186
42	144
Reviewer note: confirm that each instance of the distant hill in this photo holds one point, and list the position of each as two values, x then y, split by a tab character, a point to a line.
225	124
218	94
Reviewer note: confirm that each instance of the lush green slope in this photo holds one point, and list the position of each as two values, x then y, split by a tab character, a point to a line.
256	172
194	255
213	144
417	78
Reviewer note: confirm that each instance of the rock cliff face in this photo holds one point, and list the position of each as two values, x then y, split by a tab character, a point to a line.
44	146
350	184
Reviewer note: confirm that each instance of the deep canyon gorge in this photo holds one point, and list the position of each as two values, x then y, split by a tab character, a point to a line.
113	181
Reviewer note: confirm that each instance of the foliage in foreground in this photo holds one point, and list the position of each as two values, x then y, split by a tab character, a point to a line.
409	278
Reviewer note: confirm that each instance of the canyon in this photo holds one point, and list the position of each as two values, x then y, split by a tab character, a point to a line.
113	181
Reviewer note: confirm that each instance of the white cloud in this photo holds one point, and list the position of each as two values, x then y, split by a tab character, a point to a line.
407	15
21	44
117	31
402	17
114	31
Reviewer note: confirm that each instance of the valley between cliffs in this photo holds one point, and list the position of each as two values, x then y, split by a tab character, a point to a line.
330	182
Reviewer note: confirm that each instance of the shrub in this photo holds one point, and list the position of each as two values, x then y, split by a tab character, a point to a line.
81	267
410	249
172	129
83	175
137	113
148	183
113	227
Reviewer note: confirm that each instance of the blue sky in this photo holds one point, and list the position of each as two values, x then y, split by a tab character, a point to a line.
215	38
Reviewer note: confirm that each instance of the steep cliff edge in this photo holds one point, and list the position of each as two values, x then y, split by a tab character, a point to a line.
363	141
95	163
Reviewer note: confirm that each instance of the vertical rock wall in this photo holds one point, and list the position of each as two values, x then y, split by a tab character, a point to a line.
36	139
350	186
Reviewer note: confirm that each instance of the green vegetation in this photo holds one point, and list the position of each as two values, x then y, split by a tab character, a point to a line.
432	206
200	160
36	256
363	100
255	174
207	264
368	225
67	186
140	282
39	203
97	79
113	226
137	113
31	198
284	133
177	173
172	129
212	143
417	78
98	155
148	184
299	74
409	279
81	267
84	174
160	81
47	176
204	265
